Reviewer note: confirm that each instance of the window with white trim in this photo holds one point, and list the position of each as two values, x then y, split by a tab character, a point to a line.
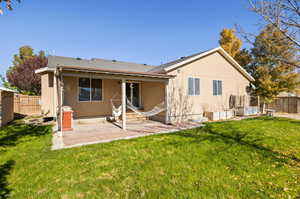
217	87
90	89
193	86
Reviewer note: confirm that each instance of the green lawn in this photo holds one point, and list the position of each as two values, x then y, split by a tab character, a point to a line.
254	158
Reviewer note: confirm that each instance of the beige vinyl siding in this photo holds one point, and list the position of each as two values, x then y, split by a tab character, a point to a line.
90	108
209	68
47	97
153	93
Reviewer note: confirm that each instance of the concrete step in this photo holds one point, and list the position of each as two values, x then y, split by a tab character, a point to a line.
134	116
130	116
90	120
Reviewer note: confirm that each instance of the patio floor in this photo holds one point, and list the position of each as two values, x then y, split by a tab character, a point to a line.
101	132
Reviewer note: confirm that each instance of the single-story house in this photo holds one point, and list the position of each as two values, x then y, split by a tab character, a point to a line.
6	105
188	86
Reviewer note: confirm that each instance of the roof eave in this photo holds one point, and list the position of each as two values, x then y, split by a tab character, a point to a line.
190	60
8	90
115	72
43	70
218	49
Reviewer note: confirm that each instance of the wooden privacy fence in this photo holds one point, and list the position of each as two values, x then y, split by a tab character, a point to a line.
286	104
27	105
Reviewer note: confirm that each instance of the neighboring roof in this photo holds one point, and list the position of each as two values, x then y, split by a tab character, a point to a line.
114	72
185	60
6	89
54	61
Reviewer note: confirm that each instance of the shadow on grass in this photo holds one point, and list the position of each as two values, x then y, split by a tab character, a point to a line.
5	170
19	116
11	134
228	133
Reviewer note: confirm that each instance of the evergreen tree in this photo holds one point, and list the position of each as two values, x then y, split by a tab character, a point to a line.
275	58
244	58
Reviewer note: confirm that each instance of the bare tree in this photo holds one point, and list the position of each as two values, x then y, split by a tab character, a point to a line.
283	14
8	4
179	102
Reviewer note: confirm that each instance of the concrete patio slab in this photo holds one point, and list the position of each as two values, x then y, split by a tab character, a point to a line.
295	116
101	132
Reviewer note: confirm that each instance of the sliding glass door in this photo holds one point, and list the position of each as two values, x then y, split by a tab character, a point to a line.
133	93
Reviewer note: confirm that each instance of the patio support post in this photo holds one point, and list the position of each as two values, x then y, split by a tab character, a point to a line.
61	99
123	104
55	95
58	79
167	102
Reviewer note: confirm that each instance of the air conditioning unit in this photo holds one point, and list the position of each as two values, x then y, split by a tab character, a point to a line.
247	110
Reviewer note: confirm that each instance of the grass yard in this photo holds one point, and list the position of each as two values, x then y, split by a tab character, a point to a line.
254	158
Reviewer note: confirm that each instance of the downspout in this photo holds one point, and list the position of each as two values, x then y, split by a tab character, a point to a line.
167	119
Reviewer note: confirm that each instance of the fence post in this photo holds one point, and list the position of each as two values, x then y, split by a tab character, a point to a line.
298	104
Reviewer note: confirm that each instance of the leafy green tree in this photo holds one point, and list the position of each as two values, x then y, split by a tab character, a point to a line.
25	52
273	66
232	45
21	75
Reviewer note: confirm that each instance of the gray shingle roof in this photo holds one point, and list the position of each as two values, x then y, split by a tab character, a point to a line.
54	61
161	67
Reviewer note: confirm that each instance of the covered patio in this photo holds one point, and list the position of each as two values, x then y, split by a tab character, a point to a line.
144	91
95	131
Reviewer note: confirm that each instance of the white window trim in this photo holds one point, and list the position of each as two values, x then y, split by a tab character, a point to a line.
78	90
194	92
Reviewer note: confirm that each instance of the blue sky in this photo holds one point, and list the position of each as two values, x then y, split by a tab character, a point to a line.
152	32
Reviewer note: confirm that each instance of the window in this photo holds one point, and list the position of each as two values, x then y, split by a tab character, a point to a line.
217	87
96	89
90	89
193	86
84	89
